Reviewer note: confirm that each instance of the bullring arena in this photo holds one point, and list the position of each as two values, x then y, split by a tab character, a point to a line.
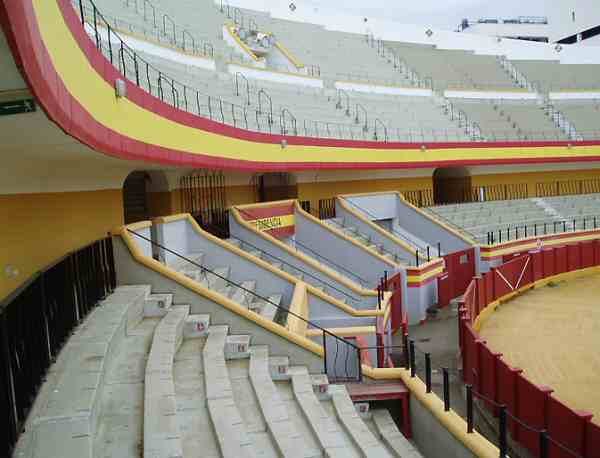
551	333
300	229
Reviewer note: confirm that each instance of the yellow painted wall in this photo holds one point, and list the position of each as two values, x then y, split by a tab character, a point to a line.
37	229
531	178
322	190
240	195
164	203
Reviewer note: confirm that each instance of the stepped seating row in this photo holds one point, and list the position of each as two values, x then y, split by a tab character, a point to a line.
236	395
449	68
552	75
217	279
355	234
583	115
511	121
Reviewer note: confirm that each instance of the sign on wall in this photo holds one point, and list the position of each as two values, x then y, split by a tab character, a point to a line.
277	220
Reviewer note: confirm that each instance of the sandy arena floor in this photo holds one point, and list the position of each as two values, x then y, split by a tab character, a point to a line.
553	334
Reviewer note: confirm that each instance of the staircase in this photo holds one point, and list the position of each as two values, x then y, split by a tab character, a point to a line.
365	240
551	211
518	77
217	279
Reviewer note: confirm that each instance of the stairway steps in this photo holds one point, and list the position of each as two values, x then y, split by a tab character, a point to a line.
289	442
323	427
226	419
391	436
358	431
244	294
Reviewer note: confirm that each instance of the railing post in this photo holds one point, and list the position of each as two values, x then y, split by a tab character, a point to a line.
13	416
446	389
503	443
417	257
428	256
439	247
543	443
469	408
81	12
324	353
428	372
406	353
413	366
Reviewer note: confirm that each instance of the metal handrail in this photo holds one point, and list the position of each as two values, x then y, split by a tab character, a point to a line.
237	88
338	105
167	18
263	93
146	3
283	123
391	231
385	133
205	270
185	33
304	272
357	119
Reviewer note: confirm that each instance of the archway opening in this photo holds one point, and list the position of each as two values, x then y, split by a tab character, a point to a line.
276	186
452	185
135	201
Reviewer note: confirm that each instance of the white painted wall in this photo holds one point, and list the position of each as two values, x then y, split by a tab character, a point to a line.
260	74
499	95
377	89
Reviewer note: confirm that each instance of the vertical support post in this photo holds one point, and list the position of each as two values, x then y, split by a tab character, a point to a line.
503	442
469	408
439	246
446	389
428	372
324	353
413	365
428	257
543	444
417	257
406	353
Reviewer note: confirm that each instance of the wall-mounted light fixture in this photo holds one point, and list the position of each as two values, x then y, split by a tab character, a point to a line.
120	88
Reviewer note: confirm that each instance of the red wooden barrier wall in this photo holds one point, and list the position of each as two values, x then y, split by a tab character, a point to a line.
493	378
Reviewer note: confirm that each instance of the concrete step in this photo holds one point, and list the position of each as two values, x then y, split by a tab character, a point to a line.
162	436
279	367
196	326
178	263
358	431
218	279
232	437
328	435
391	436
197	434
288	441
237	346
157	305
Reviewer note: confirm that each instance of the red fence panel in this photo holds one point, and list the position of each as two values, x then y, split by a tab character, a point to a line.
592	440
445	290
489	287
471	354
549	263
480	294
537	265
531	408
507	389
560	259
566	427
587	254
461	269
487	372
596	252
573	257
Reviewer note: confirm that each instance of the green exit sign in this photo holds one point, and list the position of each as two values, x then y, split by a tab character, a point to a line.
17	107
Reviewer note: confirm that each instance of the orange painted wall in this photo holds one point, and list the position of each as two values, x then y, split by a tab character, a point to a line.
531	178
322	190
164	203
37	229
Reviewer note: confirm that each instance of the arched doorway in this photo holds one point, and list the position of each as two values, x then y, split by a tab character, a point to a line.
276	186
452	185
146	194
135	203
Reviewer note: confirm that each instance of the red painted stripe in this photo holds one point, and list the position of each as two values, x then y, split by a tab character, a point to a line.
282	232
21	29
266	212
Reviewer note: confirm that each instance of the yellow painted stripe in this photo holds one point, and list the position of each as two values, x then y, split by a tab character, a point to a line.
273	222
531	244
97	97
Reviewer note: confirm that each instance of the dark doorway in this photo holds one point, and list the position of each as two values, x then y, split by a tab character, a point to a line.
276	186
134	197
204	196
452	185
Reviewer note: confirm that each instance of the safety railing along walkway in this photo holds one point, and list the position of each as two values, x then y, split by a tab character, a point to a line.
342	349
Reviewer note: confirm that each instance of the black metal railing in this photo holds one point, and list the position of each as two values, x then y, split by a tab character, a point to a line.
420	364
341	357
37	319
294	270
324	260
426	252
327	208
522	231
